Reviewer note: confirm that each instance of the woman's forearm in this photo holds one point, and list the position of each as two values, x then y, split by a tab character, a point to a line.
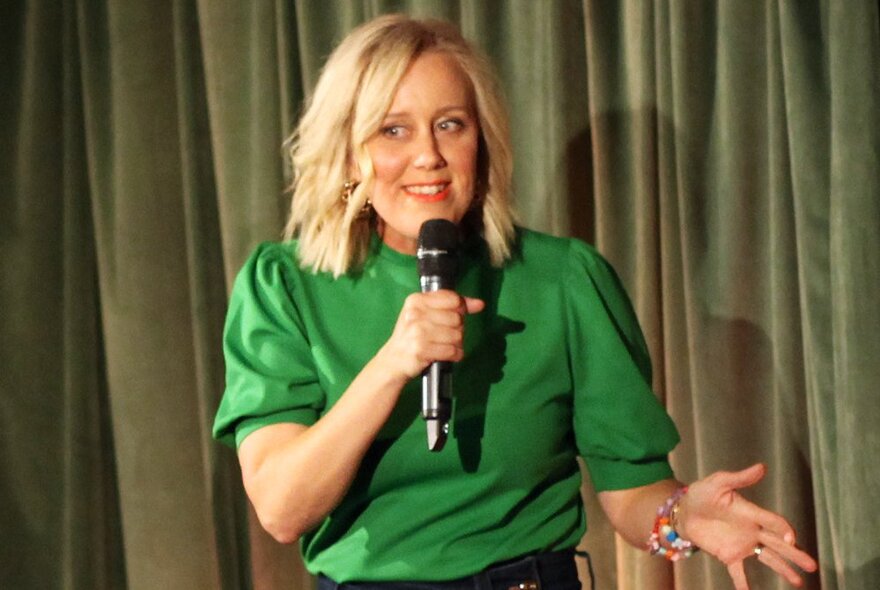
632	512
295	475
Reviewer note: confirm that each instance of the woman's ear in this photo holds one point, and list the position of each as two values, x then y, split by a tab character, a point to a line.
353	170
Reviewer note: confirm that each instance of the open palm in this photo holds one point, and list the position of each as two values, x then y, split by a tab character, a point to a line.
716	518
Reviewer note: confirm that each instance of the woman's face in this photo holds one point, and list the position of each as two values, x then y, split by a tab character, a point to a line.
425	153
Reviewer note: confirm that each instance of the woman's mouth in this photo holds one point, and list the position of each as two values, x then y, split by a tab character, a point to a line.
428	193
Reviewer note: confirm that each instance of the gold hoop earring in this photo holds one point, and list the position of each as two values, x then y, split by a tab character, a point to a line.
347	190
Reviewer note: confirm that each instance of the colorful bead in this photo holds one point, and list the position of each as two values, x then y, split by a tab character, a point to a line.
678	548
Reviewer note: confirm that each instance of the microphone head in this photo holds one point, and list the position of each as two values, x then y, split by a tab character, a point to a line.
438	250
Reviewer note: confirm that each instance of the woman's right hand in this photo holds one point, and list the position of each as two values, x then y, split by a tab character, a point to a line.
430	327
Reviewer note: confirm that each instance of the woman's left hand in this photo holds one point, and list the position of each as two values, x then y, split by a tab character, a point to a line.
717	519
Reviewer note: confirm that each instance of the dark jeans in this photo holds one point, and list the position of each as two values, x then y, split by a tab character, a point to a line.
544	571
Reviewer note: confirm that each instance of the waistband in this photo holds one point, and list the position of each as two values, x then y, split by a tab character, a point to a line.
555	570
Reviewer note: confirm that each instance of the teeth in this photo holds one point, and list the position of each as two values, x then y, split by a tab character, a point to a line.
432	189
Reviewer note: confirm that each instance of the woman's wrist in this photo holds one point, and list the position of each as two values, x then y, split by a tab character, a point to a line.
679	516
667	539
387	371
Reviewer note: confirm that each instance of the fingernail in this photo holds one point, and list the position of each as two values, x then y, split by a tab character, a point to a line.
789	538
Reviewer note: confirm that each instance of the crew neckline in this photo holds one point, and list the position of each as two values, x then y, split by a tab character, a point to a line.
385	251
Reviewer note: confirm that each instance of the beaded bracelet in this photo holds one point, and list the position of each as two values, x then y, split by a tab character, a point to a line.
664	528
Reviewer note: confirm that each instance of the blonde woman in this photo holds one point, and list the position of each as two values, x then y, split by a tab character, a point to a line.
327	335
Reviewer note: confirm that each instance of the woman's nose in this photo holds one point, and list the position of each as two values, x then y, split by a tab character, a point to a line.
428	154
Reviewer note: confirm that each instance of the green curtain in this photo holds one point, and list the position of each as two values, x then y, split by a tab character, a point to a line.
723	155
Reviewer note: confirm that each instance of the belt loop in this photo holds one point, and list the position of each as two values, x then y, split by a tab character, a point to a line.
482	581
325	583
534	581
535	572
589	561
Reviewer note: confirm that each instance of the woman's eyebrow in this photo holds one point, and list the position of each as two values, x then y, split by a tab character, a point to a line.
446	109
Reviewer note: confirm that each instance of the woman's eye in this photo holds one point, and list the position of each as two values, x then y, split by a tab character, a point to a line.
450	124
392	131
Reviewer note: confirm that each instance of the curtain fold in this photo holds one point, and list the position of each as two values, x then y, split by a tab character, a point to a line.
91	533
207	293
138	184
842	408
724	157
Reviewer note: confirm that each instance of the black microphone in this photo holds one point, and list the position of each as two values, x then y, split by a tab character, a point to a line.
438	265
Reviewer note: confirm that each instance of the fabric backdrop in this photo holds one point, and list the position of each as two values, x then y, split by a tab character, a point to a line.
723	155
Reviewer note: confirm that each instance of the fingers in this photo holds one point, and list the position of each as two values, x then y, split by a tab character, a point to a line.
780	548
738	575
742	479
767	520
447	318
771	559
444	308
778	537
777	534
473	305
446	299
430	328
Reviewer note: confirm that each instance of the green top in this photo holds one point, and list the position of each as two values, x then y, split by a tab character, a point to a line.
555	366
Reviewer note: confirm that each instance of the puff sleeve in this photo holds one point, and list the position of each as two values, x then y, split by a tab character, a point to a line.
622	431
270	373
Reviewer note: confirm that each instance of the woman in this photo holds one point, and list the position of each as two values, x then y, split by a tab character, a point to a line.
326	337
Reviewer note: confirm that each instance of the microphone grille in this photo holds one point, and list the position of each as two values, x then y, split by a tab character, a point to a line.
438	234
438	248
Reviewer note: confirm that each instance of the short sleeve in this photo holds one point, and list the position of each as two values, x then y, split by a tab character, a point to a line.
622	431
270	374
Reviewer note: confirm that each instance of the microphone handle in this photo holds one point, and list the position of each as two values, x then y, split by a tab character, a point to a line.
436	383
436	389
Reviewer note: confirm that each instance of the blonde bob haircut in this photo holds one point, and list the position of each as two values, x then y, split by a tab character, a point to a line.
346	109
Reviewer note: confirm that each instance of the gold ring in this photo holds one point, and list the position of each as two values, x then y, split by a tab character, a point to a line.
758	550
